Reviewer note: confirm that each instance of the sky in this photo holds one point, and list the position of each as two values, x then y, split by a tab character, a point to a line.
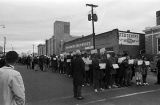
30	22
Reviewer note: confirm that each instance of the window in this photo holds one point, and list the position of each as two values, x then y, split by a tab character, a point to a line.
66	29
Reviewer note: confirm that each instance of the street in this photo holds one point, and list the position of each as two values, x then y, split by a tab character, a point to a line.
47	88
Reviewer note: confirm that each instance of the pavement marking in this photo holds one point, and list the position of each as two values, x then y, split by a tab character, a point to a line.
85	94
120	96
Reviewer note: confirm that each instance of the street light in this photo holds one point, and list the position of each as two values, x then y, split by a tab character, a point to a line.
3	26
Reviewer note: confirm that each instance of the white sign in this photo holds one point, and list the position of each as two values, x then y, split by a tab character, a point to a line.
140	62
115	66
147	63
102	50
131	61
120	60
128	38
102	65
68	60
94	51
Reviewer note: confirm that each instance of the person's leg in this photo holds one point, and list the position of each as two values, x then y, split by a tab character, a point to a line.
75	88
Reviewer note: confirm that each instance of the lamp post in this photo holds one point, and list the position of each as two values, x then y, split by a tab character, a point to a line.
3	26
33	50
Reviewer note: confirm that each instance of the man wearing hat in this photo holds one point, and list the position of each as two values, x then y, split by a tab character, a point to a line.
12	90
78	75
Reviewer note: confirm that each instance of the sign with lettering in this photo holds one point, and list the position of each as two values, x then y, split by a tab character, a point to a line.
128	38
78	45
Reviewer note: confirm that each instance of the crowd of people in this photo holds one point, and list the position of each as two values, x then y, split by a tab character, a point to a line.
99	70
102	71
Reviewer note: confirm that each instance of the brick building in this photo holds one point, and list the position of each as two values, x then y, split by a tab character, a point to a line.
152	37
115	40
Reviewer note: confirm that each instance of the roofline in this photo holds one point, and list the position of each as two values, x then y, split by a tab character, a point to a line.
89	36
151	28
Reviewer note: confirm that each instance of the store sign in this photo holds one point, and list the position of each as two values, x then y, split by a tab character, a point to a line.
78	45
128	38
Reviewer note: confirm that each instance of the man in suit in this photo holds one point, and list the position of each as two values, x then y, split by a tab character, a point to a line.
78	75
12	90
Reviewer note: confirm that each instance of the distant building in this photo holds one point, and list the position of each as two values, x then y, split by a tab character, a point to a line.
61	35
41	49
152	37
54	45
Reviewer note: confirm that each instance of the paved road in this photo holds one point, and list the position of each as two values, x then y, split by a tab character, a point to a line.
47	88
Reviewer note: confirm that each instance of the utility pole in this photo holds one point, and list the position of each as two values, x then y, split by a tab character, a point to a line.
4	46
93	20
3	26
33	50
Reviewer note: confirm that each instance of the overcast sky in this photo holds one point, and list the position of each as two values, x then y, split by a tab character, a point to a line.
30	22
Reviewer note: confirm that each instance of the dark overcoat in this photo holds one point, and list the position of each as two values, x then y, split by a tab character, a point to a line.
78	70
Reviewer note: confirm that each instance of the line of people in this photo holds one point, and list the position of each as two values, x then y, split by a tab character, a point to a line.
102	71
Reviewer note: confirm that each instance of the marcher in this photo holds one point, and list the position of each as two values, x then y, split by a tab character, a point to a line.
87	74
144	71
138	71
96	73
78	75
12	90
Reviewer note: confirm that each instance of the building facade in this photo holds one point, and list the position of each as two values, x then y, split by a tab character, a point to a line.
41	49
54	45
115	40
152	37
152	40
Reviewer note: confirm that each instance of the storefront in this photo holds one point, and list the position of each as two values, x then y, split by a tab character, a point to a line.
115	40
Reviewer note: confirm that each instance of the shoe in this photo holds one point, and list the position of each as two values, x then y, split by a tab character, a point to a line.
101	89
95	90
144	84
115	86
109	87
80	98
140	83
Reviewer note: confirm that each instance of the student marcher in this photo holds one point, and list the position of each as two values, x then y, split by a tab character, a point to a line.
12	90
78	75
